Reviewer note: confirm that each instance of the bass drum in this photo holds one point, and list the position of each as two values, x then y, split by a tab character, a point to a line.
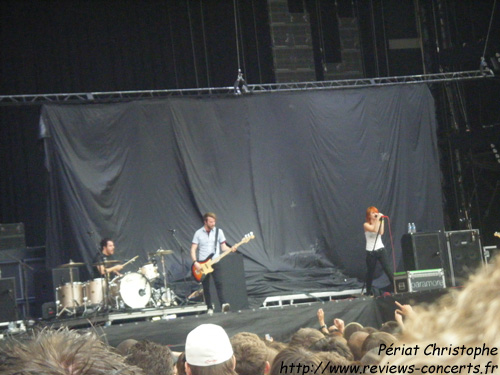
133	289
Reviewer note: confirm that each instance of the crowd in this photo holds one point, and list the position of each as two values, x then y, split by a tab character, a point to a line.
460	333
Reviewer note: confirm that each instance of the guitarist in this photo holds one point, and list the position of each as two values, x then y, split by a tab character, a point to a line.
210	240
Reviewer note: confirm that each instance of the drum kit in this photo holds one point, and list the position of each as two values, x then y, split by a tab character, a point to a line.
135	290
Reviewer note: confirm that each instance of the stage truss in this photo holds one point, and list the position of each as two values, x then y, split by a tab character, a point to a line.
116	96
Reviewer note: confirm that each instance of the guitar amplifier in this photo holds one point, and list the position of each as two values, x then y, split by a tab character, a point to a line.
417	281
12	236
8	310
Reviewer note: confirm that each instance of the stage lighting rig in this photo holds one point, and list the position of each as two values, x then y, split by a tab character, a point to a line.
240	85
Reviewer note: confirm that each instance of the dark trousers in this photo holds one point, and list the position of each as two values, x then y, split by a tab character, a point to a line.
216	275
371	262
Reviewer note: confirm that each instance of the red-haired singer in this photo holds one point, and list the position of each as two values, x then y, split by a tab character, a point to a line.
375	251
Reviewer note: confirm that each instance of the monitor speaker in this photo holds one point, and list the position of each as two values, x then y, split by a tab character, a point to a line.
423	251
233	283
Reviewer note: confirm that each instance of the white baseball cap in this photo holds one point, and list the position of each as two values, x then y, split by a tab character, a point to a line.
208	345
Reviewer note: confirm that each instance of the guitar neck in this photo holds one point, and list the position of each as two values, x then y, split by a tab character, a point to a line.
244	240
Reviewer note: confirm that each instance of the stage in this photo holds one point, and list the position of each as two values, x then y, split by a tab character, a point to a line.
170	326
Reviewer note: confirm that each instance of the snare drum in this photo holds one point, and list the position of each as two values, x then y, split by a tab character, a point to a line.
70	294
95	290
133	289
149	270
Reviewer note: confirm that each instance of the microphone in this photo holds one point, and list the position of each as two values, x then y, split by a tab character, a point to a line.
172	230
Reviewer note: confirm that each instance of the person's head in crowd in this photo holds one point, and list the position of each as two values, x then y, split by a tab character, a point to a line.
209	351
331	359
305	337
63	351
152	358
351	328
375	339
332	344
253	357
391	327
292	356
277	346
371	357
123	347
355	343
181	364
368	329
462	318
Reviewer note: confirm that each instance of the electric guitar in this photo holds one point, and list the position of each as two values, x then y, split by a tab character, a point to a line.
206	265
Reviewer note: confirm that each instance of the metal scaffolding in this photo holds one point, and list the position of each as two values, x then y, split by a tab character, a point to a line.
117	96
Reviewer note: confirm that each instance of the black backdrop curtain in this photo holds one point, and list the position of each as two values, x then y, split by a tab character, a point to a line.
22	175
297	169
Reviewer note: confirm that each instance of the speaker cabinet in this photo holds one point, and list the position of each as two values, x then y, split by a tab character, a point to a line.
8	310
465	254
12	236
424	251
233	283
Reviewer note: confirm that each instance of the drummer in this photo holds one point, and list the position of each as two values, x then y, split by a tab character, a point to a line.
106	255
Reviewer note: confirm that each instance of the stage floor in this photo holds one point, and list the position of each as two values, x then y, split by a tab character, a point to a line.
280	322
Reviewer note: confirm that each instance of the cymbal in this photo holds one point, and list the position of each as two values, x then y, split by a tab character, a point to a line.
162	252
107	263
72	264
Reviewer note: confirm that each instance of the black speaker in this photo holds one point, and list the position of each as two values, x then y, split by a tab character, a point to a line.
11	269
49	310
423	251
233	280
8	306
465	254
12	236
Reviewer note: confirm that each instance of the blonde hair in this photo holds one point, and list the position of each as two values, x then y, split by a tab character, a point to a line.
209	214
467	318
57	352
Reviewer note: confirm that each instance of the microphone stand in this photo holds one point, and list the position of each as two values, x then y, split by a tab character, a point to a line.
378	233
183	261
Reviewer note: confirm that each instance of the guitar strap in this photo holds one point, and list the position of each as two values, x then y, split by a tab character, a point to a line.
216	238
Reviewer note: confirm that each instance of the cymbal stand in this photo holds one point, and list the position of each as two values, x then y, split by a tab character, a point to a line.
184	267
169	295
65	308
105	290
